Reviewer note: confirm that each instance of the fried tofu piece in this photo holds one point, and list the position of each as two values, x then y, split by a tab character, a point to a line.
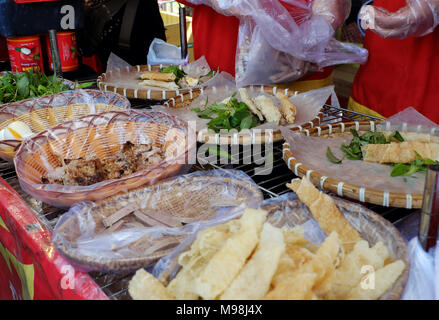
383	279
245	97
260	269
325	211
226	264
193	261
268	109
159	84
144	286
399	152
287	108
349	273
298	283
159	76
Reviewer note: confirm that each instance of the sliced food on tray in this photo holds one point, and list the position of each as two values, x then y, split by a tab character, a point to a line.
246	112
170	78
251	259
408	152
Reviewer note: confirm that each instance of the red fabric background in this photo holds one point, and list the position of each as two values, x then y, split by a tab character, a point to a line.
399	73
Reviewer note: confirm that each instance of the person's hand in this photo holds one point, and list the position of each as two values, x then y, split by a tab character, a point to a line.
417	18
334	11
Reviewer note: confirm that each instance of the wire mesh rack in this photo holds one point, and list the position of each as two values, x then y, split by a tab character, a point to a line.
271	179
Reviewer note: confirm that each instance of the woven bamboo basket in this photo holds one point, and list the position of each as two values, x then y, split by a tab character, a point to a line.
101	136
370	225
186	200
137	92
246	136
345	189
45	112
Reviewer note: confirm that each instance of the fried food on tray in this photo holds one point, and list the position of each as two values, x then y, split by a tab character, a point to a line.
248	258
268	109
245	97
325	211
159	76
400	152
159	84
85	172
144	286
287	108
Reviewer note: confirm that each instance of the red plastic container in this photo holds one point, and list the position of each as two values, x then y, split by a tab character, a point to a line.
25	53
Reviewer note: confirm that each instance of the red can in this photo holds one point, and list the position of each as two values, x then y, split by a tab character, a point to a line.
68	51
25	53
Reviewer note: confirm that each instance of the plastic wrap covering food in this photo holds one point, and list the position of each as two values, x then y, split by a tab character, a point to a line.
97	156
135	229
423	281
291	215
307	105
279	45
418	18
30	116
311	151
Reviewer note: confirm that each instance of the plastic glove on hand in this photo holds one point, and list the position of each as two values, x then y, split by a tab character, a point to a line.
417	18
334	11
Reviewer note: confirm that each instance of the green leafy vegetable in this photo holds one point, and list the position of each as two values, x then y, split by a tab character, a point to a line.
19	86
179	73
419	165
353	150
231	115
219	152
331	156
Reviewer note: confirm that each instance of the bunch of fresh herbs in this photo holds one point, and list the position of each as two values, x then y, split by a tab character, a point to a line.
31	84
231	115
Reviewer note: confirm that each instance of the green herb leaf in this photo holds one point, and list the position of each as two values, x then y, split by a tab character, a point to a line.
331	156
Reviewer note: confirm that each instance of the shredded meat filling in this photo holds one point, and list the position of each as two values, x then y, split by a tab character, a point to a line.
85	172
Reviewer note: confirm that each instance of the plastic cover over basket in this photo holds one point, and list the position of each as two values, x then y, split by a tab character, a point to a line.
170	211
102	136
44	112
288	210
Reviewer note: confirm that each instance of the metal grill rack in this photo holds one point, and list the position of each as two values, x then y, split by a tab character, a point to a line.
271	183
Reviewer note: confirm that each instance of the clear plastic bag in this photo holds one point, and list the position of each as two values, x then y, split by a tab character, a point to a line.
176	209
284	44
161	52
422	282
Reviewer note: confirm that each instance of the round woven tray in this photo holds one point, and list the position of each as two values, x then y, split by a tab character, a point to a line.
345	189
45	112
370	225
101	135
179	198
139	93
248	136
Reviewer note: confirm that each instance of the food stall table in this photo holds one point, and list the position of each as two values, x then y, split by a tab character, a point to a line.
30	267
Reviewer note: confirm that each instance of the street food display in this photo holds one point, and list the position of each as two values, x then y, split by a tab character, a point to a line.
265	255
